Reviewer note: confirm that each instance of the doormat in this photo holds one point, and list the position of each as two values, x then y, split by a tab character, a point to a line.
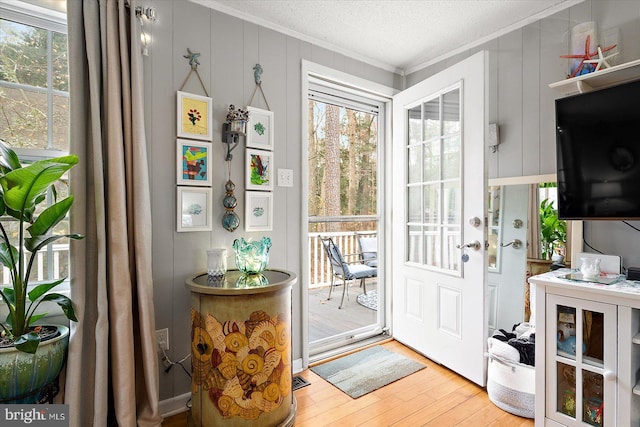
365	371
299	382
370	300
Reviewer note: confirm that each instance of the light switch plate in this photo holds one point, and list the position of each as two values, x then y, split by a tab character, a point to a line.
285	177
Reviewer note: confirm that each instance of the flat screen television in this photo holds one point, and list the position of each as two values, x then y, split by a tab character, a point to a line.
598	154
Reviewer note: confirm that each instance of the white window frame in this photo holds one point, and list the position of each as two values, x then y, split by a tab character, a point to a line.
52	21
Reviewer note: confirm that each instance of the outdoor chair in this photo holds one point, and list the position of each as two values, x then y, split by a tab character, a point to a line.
368	249
344	270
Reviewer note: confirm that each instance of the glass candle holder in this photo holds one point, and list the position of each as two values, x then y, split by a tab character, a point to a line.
252	257
216	262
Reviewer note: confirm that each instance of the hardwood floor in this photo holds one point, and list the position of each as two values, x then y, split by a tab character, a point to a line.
434	396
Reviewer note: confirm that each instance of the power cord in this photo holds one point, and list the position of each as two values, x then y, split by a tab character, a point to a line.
169	363
632	226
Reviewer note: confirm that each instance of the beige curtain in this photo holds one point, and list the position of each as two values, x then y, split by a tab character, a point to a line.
112	372
534	249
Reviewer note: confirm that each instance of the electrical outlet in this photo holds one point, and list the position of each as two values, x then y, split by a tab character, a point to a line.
162	338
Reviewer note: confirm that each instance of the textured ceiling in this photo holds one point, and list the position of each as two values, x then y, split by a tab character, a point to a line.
398	35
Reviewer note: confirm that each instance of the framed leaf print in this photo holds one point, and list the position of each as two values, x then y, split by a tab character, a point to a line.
260	128
259	170
194	163
258	211
195	116
194	209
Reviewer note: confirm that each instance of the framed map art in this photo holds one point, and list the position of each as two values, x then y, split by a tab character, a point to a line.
194	116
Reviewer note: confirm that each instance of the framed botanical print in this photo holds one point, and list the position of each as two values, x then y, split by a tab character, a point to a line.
195	114
260	128
258	211
194	163
194	209
259	170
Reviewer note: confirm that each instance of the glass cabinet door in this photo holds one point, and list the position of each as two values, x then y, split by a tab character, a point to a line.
581	362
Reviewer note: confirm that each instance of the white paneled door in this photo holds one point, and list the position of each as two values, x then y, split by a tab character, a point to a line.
439	191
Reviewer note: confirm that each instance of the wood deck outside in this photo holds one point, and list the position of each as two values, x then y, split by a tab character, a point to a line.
326	319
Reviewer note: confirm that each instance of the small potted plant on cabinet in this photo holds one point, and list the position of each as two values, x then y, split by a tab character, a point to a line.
31	356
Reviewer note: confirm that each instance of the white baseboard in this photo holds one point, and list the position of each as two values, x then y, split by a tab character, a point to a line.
174	405
297	366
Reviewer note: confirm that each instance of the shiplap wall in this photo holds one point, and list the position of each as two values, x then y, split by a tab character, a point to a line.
522	64
229	49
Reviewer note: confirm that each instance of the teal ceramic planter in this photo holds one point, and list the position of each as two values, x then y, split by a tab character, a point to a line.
22	374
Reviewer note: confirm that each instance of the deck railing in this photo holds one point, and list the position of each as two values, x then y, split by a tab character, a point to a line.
319	266
58	255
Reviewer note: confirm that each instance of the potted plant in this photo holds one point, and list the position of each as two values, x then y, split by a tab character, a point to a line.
26	364
553	230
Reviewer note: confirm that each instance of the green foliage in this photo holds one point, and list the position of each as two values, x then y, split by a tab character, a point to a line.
24	64
357	162
553	230
22	189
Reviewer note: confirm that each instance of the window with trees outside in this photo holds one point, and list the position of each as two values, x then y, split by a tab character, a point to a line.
34	112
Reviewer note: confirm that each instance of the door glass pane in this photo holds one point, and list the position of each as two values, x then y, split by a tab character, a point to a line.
414	238
413	163
440	197
451	106
452	202
566	390
432	119
432	246
414	129
432	203
593	324
432	160
451	158
452	253
414	201
593	397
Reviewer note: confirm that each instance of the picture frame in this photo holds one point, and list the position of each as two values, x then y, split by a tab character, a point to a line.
259	170
258	211
194	209
260	129
194	116
193	163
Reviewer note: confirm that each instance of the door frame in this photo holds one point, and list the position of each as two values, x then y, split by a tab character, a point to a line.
383	94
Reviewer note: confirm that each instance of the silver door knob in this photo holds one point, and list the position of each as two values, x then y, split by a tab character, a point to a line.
516	243
473	245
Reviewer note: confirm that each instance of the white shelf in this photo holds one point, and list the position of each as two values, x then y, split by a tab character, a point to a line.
636	339
599	79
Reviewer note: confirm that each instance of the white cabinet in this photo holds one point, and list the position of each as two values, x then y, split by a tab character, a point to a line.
587	352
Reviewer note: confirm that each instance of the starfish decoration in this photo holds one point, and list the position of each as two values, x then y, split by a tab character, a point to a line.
586	57
193	59
601	62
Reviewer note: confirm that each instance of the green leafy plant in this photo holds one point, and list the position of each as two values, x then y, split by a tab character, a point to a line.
552	229
22	190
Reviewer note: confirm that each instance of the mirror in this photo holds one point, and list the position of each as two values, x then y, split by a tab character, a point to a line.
521	246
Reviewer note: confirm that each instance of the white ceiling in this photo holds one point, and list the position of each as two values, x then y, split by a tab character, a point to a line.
397	35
